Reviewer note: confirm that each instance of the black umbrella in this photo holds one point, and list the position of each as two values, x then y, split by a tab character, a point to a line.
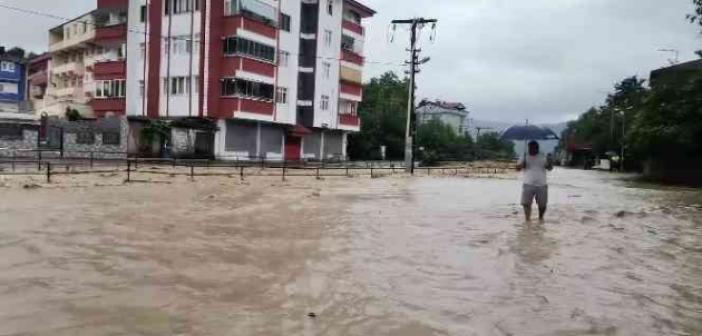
528	132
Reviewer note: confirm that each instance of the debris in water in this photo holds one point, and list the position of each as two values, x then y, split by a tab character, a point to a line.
623	213
31	186
311	315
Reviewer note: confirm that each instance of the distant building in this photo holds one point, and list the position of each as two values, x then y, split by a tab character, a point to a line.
12	82
452	114
37	82
676	74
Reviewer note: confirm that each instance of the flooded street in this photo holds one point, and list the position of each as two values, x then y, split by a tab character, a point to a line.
386	256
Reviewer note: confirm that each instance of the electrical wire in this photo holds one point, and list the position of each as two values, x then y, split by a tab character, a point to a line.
163	37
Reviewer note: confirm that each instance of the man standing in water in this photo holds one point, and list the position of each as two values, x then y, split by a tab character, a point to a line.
534	166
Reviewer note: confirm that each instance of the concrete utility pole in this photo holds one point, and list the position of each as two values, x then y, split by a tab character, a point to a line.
414	63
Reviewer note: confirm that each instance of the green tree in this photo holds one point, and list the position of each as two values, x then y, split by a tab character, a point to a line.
490	146
383	115
438	141
697	18
605	127
669	127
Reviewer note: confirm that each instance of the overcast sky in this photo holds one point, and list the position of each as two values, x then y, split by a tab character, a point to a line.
507	60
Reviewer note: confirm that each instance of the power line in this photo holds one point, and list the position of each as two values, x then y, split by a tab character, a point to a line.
416	26
164	37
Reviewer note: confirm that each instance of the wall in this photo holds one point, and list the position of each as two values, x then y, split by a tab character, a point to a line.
328	54
29	141
287	75
72	148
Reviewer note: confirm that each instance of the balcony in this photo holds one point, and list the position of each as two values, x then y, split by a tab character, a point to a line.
352	57
75	41
350	75
104	105
67	93
39	78
70	69
349	120
353	26
106	4
110	70
115	34
351	89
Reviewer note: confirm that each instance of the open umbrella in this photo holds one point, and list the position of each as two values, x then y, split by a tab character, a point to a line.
528	132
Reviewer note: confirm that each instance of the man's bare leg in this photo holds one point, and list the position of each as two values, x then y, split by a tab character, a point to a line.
542	213
527	212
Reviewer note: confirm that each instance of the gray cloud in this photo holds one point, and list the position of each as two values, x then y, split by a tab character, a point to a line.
508	60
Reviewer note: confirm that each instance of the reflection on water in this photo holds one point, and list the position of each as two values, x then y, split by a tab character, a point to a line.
395	256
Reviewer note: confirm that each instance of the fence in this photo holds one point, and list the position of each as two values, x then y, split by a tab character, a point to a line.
90	164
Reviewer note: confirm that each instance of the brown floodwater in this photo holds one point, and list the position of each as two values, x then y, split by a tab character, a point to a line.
385	256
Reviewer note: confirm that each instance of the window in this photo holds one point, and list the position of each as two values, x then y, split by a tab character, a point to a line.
327	37
115	88
2	88
181	6
141	88
178	86
242	46
85	138
284	58
142	50
324	104
353	106
281	95
7	66
111	138
244	88
122	51
143	14
330	7
326	69
285	22
347	42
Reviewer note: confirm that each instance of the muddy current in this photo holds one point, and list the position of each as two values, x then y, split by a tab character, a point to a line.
385	256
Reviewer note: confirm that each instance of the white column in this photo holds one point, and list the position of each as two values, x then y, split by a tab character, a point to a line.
258	139
344	143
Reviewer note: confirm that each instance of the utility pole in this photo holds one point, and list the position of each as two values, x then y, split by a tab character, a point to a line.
411	131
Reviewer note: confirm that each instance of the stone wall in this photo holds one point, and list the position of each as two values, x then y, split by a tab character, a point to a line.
20	147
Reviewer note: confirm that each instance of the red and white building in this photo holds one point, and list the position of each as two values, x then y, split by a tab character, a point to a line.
281	78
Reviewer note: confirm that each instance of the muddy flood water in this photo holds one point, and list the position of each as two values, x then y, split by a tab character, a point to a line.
350	256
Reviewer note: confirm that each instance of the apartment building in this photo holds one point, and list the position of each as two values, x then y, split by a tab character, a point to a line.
12	81
281	79
86	68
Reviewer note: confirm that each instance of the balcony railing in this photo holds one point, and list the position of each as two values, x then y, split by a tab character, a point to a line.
352	57
104	4
110	70
69	69
353	26
349	120
111	34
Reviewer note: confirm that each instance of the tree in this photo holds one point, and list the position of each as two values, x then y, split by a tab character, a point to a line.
669	127
605	127
438	141
72	114
697	18
490	146
383	115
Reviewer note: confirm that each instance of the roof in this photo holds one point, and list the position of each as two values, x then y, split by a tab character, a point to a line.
441	107
40	58
364	10
73	20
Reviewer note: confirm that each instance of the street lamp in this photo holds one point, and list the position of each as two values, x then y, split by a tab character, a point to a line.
623	112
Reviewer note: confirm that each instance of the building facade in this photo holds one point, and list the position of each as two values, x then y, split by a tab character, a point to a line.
12	83
452	114
280	78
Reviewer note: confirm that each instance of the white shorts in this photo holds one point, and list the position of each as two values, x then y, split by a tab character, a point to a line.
531	193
